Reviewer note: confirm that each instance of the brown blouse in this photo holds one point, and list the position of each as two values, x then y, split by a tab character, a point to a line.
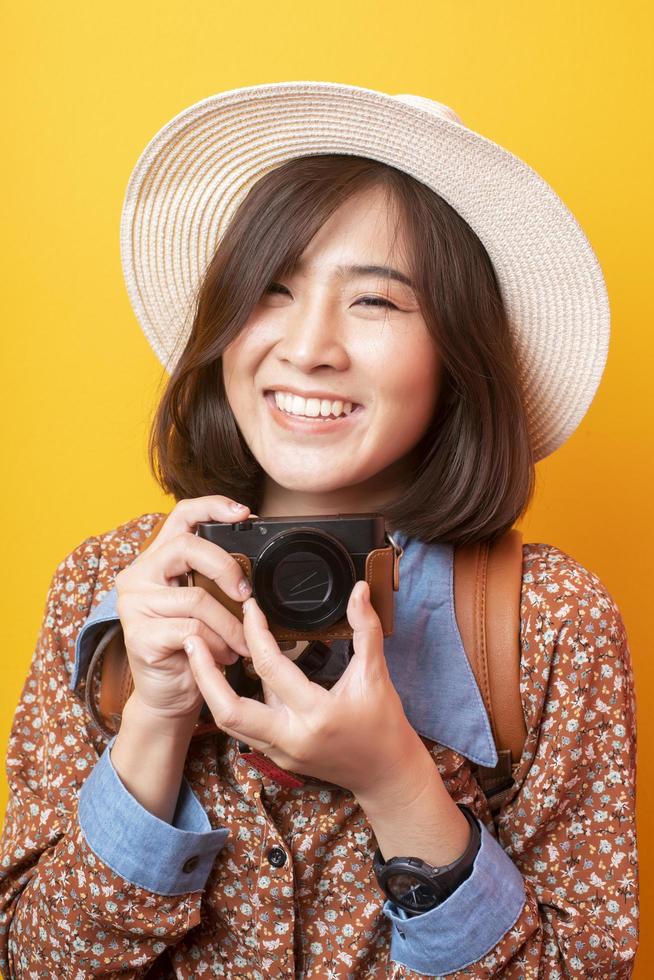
569	829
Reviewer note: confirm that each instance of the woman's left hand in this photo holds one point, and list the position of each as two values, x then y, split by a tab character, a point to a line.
355	735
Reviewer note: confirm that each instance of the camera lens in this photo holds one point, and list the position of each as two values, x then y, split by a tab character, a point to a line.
303	579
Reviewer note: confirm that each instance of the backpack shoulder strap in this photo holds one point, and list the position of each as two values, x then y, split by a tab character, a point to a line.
487	589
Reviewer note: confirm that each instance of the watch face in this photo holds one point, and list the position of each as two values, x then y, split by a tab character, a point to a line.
410	892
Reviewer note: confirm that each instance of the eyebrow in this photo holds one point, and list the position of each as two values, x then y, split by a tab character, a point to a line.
384	271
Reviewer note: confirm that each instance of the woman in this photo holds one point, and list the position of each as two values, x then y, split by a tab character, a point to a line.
350	282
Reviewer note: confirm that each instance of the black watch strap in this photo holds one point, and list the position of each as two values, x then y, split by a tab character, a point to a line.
432	884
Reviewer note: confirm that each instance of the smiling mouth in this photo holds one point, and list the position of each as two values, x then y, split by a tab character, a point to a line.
311	423
272	401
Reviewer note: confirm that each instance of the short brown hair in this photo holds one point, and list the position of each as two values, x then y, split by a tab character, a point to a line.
474	470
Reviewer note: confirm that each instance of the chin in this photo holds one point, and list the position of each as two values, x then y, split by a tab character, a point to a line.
304	486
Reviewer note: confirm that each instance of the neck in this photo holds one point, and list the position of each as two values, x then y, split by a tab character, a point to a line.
372	496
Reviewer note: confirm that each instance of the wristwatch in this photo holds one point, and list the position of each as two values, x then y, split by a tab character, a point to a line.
416	886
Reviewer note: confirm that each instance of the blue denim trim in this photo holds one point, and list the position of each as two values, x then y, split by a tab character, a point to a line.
469	923
104	612
136	844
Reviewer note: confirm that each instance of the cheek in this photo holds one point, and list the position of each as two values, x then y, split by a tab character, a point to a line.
235	360
229	361
235	386
412	379
242	357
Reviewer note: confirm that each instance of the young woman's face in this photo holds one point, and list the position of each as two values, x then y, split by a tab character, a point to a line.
333	335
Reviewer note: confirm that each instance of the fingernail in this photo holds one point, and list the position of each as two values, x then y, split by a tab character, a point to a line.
244	587
236	506
245	605
365	595
189	646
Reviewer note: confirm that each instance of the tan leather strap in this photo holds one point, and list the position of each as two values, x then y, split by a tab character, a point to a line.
487	590
101	714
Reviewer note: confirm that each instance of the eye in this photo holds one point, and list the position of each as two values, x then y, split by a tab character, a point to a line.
276	287
377	301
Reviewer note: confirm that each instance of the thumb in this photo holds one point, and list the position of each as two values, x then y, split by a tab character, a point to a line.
367	633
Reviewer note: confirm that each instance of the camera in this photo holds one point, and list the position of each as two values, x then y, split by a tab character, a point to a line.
302	571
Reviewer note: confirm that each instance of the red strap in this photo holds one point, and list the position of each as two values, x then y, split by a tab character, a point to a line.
268	768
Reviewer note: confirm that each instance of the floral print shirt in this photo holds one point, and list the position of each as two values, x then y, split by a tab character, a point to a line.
252	879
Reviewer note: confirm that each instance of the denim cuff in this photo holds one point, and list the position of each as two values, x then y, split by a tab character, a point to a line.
169	859
102	614
469	923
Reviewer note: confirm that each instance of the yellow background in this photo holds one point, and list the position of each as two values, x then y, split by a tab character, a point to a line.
566	86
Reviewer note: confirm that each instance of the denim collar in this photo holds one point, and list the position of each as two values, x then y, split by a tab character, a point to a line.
426	658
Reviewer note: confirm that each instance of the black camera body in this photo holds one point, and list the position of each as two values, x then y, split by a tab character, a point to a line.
302	571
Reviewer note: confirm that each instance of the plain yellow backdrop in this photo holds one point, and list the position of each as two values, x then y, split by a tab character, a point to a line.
566	86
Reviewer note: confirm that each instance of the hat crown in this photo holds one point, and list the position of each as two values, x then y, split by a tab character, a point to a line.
436	108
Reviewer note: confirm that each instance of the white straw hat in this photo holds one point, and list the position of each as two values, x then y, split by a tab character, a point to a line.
193	174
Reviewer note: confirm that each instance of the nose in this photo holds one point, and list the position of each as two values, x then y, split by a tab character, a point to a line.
311	336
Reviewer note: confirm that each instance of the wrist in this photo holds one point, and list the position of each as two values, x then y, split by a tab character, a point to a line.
401	781
415	815
149	755
141	716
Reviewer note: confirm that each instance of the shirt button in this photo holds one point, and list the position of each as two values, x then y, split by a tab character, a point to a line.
190	863
277	856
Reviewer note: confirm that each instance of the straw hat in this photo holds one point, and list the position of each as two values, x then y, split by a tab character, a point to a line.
196	170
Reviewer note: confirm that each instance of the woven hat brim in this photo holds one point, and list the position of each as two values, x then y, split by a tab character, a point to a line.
196	170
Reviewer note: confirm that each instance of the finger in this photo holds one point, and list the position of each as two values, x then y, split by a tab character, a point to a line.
183	554
243	717
253	743
367	633
187	514
192	602
154	637
280	674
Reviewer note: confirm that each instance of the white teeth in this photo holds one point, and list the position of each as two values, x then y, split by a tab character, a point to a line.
311	407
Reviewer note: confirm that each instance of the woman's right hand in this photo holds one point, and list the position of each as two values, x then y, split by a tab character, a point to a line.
157	613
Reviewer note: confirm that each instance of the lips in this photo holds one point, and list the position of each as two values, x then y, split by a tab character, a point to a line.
306	424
